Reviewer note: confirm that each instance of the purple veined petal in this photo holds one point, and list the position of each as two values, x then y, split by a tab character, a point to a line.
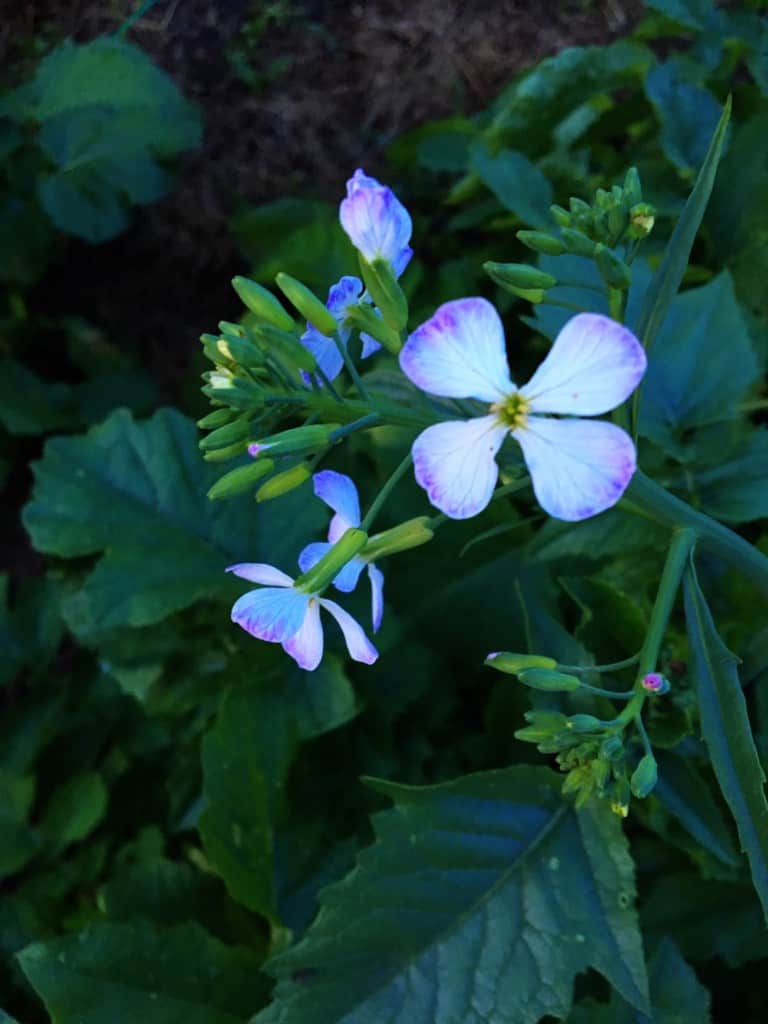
401	261
346	292
271	614
377	223
306	646
376	576
459	353
593	365
338	492
370	345
359	646
312	554
455	463
260	572
325	351
346	580
578	467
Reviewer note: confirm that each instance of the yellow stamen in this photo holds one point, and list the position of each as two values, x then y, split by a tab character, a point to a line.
512	411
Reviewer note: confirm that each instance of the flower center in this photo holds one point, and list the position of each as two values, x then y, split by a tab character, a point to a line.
513	410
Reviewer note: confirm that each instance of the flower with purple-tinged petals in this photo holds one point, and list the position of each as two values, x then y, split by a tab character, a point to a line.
281	614
654	682
578	467
345	293
377	223
338	491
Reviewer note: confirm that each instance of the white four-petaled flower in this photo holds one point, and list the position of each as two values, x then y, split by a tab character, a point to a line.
578	467
339	492
281	614
377	223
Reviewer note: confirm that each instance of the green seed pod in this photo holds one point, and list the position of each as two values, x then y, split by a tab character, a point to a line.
262	303
548	679
410	534
512	664
387	294
240	479
347	547
226	435
540	241
308	304
519	276
644	777
577	242
614	271
284	482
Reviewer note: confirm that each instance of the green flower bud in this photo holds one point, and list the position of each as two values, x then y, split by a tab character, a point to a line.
578	242
224	454
617	222
642	217
308	304
240	479
283	483
214	419
285	346
602	199
230	330
297	441
601	771
632	191
262	303
519	276
512	664
540	241
613	270
347	547
410	534
543	726
584	723
560	216
242	351
364	319
644	777
548	679
612	748
226	435
383	288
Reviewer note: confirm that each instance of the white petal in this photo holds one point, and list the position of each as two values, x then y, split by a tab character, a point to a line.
459	353
260	572
376	576
306	646
593	365
271	614
455	463
578	467
359	646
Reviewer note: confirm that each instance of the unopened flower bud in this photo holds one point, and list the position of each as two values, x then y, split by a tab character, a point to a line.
614	271
262	303
548	679
285	346
642	217
560	216
311	308
584	723
224	454
349	545
297	441
644	777
383	288
365	319
520	277
577	242
283	483
654	682
512	664
632	192
225	435
612	748
410	534
540	241
214	419
240	479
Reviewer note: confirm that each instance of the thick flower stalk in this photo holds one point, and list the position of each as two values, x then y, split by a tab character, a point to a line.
339	492
578	467
283	613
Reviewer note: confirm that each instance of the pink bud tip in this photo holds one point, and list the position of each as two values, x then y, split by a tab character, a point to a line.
654	682
256	449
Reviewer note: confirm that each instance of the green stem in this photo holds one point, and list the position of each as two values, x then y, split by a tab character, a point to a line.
327	382
385	492
371	420
350	365
649	499
677	558
615	694
614	666
617	304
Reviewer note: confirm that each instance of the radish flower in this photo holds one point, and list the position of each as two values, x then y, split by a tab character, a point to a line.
281	614
578	467
345	293
377	223
339	492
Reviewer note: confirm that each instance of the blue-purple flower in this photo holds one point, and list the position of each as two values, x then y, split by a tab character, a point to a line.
578	467
282	614
339	492
345	293
377	223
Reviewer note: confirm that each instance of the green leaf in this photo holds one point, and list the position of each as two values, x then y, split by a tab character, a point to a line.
688	115
480	901
691	13
666	281
18	841
111	973
30	405
138	492
31	631
75	809
517	183
107	114
727	733
736	490
246	757
692	377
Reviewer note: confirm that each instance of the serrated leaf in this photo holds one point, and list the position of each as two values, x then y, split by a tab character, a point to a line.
688	115
130	972
480	901
736	491
138	492
727	732
516	182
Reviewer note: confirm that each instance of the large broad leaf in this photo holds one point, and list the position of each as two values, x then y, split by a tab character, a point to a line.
480	901
727	733
688	115
130	972
691	13
516	182
737	490
137	492
246	757
692	376
106	115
